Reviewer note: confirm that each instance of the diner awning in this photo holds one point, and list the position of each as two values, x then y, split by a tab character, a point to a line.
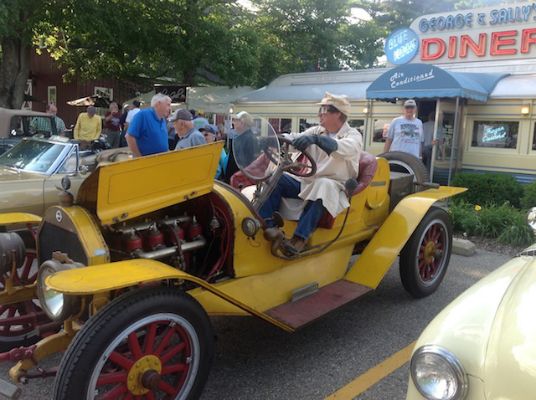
304	92
429	81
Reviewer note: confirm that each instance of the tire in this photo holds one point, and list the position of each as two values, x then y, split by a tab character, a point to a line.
425	257
21	323
407	163
103	361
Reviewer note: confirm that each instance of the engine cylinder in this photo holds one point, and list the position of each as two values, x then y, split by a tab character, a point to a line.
12	250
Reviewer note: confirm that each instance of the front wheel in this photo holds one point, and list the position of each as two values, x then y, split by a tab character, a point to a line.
153	343
425	257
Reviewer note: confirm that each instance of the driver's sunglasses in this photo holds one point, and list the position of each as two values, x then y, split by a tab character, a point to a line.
327	109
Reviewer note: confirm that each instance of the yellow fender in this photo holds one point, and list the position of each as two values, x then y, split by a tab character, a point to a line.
382	250
19	218
117	275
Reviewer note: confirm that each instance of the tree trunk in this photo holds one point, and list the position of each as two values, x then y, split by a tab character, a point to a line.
14	71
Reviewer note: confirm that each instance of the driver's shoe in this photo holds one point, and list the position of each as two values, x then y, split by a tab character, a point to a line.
292	247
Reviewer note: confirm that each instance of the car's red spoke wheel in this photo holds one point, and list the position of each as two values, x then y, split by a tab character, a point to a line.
153	360
19	321
152	343
425	257
432	251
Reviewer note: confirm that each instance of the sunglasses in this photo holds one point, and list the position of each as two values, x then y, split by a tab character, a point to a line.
327	109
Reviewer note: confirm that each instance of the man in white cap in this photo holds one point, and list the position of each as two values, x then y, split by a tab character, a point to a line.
405	132
336	149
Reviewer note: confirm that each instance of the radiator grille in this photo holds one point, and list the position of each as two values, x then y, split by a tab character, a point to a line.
53	238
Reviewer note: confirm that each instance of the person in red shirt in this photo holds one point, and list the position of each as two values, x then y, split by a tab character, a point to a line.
112	125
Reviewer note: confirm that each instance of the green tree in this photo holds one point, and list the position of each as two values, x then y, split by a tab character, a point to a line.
17	19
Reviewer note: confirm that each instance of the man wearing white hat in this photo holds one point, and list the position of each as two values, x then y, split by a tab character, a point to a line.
336	149
405	132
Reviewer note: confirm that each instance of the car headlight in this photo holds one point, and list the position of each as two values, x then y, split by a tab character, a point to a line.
56	305
437	374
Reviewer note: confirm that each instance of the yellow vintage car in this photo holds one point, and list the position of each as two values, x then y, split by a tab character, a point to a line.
483	344
154	246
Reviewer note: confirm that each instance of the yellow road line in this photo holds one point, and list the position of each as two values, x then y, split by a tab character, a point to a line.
374	375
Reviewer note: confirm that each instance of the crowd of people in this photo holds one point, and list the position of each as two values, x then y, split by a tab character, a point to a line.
335	147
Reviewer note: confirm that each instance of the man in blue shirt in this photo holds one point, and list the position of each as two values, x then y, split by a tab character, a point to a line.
184	127
147	133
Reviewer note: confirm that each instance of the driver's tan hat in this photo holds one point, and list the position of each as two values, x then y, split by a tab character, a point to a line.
340	102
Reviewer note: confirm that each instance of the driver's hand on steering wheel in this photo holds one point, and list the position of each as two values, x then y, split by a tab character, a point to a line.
304	141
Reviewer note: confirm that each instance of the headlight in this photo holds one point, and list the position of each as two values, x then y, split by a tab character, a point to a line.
56	305
437	374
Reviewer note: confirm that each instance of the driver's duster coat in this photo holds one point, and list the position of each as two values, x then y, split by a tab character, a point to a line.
333	170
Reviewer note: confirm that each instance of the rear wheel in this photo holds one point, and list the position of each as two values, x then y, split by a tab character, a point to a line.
425	257
408	164
154	343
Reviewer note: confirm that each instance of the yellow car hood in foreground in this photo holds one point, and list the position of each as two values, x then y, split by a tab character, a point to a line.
491	329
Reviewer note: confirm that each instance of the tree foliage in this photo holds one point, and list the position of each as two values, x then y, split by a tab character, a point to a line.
198	41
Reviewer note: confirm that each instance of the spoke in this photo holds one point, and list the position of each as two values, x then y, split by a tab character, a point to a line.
174	369
114	393
149	338
169	355
134	345
165	340
166	387
121	360
111	378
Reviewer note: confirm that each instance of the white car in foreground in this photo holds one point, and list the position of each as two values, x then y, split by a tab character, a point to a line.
483	345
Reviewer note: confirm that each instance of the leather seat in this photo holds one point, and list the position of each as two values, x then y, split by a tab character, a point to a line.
367	168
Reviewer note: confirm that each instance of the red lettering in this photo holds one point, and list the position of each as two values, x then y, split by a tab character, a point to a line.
498	40
427	53
467	43
527	39
453	42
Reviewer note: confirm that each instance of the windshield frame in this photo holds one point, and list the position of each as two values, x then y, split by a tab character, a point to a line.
54	166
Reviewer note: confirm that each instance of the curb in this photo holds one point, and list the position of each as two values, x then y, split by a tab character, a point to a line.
463	247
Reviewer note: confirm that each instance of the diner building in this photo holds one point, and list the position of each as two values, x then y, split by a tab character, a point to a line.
473	72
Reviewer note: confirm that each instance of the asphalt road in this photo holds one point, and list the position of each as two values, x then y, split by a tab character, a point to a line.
257	361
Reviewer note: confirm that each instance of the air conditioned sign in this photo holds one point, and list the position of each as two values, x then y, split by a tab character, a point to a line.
474	35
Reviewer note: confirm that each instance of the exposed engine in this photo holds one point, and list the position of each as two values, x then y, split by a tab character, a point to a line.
194	241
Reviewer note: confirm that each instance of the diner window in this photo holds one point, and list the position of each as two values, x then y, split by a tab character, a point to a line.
306	123
381	128
281	125
358	124
495	134
534	137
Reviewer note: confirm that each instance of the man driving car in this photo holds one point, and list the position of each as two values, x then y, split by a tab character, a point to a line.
336	149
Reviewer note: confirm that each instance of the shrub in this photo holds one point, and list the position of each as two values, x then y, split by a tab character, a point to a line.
464	218
495	220
488	189
504	223
529	197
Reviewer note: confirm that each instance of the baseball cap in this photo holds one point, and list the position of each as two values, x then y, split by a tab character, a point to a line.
208	128
410	103
181	114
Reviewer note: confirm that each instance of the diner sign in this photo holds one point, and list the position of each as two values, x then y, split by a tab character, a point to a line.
176	92
474	35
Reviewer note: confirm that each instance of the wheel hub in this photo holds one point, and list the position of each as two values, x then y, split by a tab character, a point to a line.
144	375
429	252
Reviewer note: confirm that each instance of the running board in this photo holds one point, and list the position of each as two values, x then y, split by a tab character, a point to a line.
305	310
